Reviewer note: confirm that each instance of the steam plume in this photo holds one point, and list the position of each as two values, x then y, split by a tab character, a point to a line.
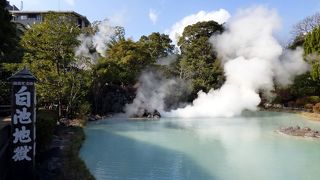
252	60
156	92
93	46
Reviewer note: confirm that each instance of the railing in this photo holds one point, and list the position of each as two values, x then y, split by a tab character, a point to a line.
4	151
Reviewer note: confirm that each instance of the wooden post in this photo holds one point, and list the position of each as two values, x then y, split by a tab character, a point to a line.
23	119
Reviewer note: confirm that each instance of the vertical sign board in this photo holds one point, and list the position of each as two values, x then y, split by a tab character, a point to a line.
23	125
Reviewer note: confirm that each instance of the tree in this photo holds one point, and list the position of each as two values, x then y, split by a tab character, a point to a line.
123	62
49	53
198	61
10	50
303	28
158	45
312	52
306	25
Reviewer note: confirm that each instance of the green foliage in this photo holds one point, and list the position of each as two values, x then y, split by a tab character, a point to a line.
158	45
313	99
10	50
84	109
304	85
49	53
297	42
303	90
312	48
45	125
198	61
123	62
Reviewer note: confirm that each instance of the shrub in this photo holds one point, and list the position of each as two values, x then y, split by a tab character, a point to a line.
84	109
45	125
308	106
316	108
313	99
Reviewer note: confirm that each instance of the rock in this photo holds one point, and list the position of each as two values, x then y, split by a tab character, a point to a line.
309	134
91	118
97	117
156	117
297	128
144	113
267	105
277	106
298	131
64	121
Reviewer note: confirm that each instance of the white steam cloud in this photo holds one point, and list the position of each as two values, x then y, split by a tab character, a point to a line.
221	16
252	60
93	46
155	92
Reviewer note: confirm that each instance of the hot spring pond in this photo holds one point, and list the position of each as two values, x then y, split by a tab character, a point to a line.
238	148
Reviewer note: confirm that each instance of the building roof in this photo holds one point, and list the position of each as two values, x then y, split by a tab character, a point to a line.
10	8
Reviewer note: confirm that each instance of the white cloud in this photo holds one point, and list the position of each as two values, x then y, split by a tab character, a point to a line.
220	16
153	16
70	2
119	18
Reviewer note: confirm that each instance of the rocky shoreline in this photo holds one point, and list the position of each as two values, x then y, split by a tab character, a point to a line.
305	132
145	114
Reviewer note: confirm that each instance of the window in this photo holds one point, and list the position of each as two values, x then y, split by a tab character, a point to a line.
32	16
38	17
23	17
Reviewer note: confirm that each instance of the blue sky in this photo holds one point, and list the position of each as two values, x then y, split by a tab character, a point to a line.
134	15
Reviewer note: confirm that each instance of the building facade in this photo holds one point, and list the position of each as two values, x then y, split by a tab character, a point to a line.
29	18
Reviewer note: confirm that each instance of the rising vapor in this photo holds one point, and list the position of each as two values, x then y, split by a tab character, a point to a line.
253	60
94	46
155	92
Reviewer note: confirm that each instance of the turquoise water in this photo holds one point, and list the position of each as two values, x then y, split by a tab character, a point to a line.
240	148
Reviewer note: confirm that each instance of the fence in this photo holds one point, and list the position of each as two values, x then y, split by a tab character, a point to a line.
4	151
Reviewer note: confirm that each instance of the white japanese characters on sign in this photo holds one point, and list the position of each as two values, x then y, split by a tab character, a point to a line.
22	116
22	135
20	153
23	97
